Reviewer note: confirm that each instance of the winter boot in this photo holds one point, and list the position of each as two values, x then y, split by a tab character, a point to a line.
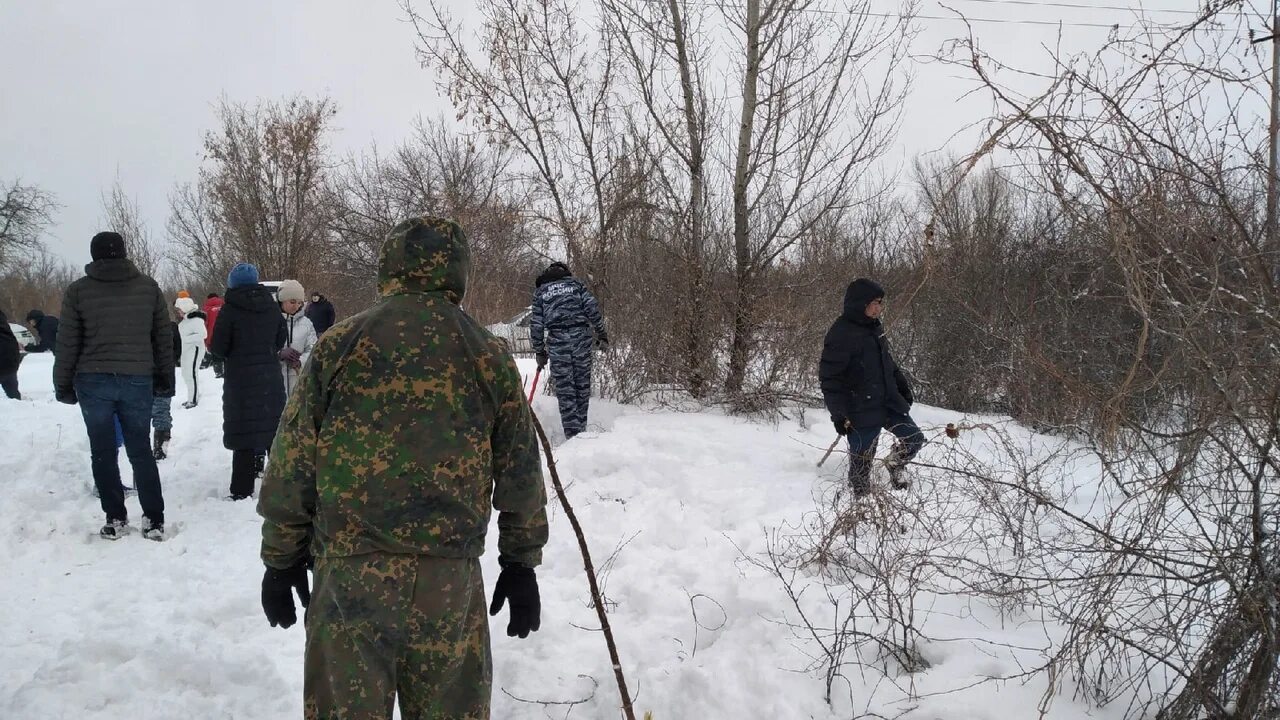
114	529
189	404
153	529
161	449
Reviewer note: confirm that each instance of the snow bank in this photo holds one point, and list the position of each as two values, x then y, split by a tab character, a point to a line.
674	506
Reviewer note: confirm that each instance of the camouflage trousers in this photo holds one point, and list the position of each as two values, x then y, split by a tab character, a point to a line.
570	354
407	626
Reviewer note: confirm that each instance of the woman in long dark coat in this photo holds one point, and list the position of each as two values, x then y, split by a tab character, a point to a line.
248	338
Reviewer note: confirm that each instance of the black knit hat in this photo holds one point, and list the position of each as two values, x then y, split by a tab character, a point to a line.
107	246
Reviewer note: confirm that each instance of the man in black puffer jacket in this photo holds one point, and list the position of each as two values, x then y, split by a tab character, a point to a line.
248	338
864	390
10	359
115	350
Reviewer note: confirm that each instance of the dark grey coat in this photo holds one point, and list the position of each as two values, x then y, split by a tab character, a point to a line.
248	337
114	320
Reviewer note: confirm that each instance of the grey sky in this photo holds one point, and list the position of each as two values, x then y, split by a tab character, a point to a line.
93	89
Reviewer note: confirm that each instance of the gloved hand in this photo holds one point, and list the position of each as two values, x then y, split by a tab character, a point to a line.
66	395
907	394
277	594
519	586
602	342
842	426
290	356
542	360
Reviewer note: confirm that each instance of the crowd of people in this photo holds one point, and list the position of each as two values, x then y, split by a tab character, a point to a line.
392	437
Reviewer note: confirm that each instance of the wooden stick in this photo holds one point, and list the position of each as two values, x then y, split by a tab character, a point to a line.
830	450
591	572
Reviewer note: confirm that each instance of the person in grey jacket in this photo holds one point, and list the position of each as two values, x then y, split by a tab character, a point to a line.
115	349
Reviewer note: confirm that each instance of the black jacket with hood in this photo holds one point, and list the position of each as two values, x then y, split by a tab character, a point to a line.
860	381
114	320
46	328
10	356
248	337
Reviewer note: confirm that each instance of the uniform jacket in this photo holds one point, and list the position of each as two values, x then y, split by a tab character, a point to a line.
561	302
408	427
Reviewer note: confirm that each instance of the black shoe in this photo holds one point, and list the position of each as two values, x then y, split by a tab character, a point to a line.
114	529
233	497
189	404
153	529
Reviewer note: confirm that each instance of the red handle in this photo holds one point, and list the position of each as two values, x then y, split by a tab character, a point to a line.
535	385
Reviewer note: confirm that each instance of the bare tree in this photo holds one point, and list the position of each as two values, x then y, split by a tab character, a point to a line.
121	214
25	211
261	196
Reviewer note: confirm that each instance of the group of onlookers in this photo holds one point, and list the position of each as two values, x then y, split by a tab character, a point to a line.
116	347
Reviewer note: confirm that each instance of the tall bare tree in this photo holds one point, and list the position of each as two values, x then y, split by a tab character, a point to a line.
261	195
25	211
121	214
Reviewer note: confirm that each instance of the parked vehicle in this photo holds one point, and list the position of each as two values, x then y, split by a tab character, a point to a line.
23	335
515	332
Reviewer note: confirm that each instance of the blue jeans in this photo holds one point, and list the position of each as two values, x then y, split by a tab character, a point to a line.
104	398
862	447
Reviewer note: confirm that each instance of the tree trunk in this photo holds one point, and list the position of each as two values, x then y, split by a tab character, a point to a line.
739	351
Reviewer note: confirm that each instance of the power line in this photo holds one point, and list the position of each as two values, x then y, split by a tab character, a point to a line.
1130	8
995	21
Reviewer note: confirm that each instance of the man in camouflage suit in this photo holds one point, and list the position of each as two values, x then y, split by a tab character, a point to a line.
407	423
565	314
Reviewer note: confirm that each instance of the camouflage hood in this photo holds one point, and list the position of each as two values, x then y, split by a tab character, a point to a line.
425	255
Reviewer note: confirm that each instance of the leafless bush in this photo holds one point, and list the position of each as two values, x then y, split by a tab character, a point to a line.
25	211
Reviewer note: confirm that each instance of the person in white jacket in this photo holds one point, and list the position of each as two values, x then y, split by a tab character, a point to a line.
192	331
300	334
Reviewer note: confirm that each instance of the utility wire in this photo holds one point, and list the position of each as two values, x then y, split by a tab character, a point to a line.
1131	8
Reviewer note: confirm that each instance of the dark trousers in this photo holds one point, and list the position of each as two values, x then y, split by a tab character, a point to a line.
104	398
10	384
245	466
862	447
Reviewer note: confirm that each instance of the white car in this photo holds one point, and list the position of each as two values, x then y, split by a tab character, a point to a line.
23	335
515	332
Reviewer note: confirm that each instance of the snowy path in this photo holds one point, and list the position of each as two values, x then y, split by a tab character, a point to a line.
140	630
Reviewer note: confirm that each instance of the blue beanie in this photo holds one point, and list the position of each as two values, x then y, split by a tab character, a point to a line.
242	275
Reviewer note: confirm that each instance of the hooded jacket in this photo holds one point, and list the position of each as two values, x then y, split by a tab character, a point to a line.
248	337
211	308
114	320
860	381
408	426
300	336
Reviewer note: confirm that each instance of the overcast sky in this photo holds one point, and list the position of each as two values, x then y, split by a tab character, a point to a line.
93	89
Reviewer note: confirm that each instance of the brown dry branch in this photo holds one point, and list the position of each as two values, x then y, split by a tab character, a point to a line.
587	566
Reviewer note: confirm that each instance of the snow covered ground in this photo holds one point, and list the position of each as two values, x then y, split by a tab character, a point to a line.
675	506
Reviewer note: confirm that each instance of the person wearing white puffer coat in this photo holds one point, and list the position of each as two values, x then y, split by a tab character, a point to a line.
192	331
300	334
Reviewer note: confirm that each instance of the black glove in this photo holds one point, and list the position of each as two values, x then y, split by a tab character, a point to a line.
291	356
602	342
842	426
66	395
277	594
163	385
542	360
519	586
907	395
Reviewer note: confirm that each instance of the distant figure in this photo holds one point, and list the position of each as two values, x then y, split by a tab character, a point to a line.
212	306
864	390
46	329
565	316
320	312
248	337
115	351
192	330
300	336
10	359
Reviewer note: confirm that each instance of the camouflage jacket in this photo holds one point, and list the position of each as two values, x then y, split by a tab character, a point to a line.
408	422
